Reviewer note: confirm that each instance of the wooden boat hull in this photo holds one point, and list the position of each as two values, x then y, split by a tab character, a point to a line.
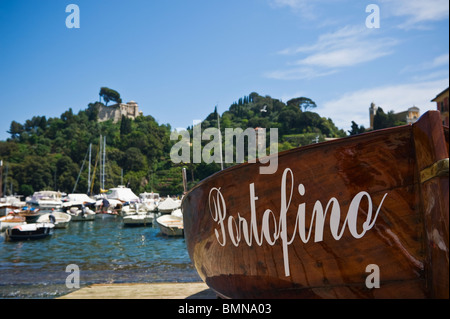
331	216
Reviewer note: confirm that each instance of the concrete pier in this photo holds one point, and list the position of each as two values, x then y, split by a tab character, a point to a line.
191	290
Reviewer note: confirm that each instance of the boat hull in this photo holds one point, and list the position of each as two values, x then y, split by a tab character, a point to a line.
20	233
62	220
170	225
333	218
137	220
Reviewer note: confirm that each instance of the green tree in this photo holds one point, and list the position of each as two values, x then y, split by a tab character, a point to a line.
355	129
15	129
302	102
125	126
109	95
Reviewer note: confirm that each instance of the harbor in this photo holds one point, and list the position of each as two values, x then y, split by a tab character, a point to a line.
105	250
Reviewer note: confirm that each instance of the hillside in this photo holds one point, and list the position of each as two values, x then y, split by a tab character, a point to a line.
52	153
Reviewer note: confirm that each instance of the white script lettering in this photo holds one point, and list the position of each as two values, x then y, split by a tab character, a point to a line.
238	228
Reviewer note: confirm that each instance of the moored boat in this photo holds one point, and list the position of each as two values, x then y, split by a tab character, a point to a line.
59	219
138	219
168	205
11	220
29	231
45	200
81	213
31	214
170	225
330	216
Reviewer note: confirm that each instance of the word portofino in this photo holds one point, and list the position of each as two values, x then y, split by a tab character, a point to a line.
240	229
212	152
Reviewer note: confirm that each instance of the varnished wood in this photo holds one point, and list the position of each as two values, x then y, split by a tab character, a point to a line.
408	241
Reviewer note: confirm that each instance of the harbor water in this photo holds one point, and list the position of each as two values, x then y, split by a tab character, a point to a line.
105	252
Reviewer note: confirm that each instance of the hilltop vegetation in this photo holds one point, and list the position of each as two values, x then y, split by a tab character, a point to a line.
50	153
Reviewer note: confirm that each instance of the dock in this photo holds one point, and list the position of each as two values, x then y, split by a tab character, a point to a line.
190	290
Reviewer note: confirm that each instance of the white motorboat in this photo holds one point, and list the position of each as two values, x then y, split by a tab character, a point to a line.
79	213
151	200
61	220
29	231
138	219
134	208
168	205
171	225
123	194
46	200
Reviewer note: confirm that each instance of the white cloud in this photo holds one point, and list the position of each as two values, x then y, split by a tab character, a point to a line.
303	7
298	73
438	61
354	106
436	68
417	12
346	47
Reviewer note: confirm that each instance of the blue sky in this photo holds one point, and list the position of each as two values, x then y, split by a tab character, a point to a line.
180	58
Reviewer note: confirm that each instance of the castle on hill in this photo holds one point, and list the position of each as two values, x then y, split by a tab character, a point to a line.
115	112
409	116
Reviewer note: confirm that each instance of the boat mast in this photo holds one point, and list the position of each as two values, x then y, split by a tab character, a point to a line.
1	177
184	180
100	165
95	168
103	167
220	140
89	169
4	181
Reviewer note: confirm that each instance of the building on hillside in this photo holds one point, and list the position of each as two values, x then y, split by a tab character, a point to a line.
442	105
115	112
410	116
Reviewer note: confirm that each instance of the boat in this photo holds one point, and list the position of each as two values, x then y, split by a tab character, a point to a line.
31	214
134	208
151	200
170	225
29	231
123	194
79	206
364	216
142	219
45	200
106	208
11	220
168	205
61	219
11	202
77	199
81	213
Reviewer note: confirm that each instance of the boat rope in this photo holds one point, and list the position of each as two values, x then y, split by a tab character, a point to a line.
440	168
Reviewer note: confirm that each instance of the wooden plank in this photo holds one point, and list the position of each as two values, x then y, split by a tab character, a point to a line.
191	290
